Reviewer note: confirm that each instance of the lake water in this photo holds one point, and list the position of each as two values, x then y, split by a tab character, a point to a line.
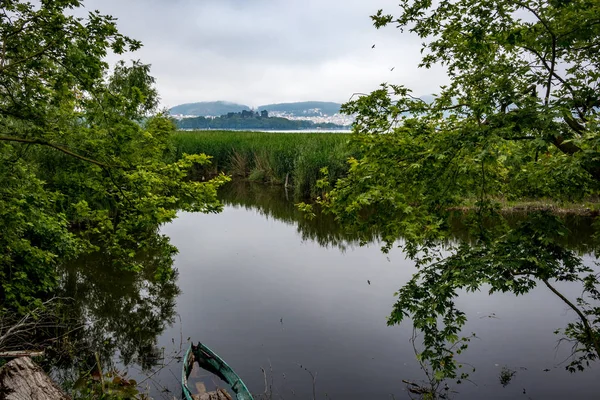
267	290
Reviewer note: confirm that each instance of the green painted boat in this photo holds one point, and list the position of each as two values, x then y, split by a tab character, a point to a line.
211	362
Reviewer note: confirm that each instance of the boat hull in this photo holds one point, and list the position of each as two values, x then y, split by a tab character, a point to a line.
211	362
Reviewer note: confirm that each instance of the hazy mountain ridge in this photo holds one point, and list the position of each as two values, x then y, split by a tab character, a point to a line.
218	108
293	109
206	108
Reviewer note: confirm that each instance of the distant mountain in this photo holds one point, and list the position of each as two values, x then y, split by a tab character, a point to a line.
296	109
304	108
206	108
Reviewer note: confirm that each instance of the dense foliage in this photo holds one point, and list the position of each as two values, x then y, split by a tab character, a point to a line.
82	150
285	158
519	119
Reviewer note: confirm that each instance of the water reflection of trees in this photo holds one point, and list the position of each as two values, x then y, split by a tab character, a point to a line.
122	311
274	202
114	312
582	230
518	251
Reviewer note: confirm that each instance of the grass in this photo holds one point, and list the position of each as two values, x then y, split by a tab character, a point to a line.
272	157
587	206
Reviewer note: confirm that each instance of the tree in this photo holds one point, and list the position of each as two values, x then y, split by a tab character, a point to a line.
82	150
518	120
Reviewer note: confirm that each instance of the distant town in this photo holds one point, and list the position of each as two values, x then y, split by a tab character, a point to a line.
338	119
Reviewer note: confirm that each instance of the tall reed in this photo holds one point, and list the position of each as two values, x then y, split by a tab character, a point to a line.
271	156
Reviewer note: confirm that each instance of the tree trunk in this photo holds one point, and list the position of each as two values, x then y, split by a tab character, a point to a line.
21	379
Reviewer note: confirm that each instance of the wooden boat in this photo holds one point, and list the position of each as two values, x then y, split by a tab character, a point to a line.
211	362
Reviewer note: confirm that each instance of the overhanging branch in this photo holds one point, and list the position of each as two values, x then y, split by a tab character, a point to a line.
54	146
589	332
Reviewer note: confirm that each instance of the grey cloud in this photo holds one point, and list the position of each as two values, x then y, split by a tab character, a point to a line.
266	51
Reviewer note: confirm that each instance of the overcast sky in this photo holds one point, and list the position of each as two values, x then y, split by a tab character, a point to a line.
267	51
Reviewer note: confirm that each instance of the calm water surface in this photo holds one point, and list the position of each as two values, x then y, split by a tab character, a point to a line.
265	289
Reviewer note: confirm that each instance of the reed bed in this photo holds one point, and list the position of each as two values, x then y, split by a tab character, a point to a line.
271	157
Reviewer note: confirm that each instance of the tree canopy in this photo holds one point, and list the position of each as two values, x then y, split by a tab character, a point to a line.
82	148
519	120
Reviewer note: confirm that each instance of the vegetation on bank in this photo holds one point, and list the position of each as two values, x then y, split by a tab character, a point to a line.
271	157
292	158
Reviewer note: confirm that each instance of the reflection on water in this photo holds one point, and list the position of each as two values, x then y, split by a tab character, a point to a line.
267	289
118	315
582	237
275	202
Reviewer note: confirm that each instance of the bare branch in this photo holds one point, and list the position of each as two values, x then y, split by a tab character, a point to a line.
588	329
551	72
